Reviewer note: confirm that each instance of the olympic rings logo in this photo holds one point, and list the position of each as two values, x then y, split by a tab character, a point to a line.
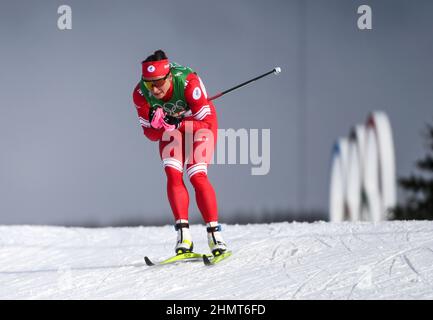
172	108
363	178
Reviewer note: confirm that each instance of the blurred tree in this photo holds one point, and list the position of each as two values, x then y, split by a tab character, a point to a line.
419	203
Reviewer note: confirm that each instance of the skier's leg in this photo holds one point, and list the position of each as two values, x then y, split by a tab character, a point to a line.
207	204
204	192
177	193
172	156
199	156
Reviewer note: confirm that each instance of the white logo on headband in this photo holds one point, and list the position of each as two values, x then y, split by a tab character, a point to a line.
151	68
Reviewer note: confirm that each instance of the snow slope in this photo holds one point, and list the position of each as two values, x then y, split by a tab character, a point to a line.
390	260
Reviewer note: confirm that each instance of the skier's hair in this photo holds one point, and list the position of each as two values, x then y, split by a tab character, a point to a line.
156	56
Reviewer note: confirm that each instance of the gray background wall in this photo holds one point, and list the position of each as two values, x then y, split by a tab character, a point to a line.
72	150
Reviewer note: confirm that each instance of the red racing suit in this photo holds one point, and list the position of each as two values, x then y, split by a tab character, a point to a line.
201	115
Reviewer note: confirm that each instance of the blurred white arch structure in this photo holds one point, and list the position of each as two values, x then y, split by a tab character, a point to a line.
363	181
338	181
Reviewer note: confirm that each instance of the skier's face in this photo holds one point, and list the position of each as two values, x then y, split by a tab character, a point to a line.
159	87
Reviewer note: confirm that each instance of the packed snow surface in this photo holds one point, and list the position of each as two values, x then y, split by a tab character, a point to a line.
388	260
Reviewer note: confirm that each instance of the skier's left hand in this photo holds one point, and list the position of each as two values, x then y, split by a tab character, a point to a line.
176	121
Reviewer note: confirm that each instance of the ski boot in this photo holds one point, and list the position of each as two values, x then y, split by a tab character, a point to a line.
215	239
184	242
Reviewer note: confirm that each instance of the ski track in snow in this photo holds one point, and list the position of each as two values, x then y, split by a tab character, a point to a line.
388	260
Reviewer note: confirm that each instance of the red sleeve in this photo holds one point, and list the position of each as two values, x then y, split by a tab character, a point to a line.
196	98
143	107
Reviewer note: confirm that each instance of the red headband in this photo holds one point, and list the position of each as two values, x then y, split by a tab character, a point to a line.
155	69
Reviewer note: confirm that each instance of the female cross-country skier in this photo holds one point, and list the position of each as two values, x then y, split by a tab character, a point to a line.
171	98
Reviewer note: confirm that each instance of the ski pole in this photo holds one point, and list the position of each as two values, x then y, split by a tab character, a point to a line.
275	71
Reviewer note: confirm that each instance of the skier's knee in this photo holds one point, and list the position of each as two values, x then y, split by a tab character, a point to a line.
174	176
199	179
